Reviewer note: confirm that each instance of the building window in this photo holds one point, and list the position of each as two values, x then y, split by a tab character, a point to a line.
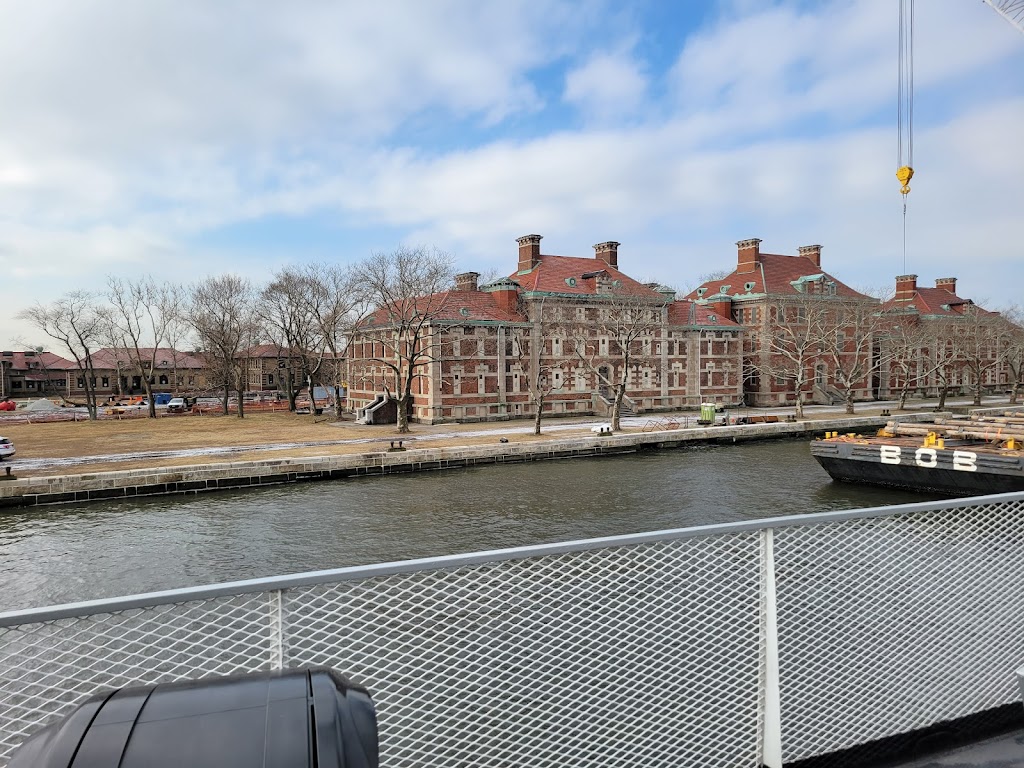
106	381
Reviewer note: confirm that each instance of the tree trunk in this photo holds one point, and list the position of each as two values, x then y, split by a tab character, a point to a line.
241	400
942	398
1014	390
903	398
799	410
620	392
403	415
225	398
147	388
977	392
539	416
849	400
337	403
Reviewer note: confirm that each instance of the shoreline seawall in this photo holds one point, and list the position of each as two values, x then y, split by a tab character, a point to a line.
119	484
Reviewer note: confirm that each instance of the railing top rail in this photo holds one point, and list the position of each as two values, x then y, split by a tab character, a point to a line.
351	573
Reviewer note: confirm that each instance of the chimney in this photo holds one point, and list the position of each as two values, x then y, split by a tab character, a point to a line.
906	287
467	281
505	293
947	284
749	251
721	305
812	252
608	253
529	252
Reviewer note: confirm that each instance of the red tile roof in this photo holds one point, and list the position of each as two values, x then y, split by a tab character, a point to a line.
934	301
774	275
108	358
455	307
20	361
565	275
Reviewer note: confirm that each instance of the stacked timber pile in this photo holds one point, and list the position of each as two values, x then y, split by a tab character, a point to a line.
1006	430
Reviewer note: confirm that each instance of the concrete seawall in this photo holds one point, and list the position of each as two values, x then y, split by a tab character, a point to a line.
59	489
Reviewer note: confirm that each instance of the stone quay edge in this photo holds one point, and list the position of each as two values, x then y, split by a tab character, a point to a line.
119	484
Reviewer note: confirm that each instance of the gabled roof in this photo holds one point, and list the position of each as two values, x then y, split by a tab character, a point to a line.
454	307
774	275
935	302
24	361
574	276
685	312
109	357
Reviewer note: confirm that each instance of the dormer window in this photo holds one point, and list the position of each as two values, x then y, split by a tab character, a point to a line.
748	287
701	290
724	289
712	319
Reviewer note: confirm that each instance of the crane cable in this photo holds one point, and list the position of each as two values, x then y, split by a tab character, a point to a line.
905	118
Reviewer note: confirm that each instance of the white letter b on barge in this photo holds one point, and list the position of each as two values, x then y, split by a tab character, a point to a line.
889	454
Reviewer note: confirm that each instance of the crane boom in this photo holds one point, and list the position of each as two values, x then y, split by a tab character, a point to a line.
1011	10
905	98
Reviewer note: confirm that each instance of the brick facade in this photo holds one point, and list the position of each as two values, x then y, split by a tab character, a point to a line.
488	341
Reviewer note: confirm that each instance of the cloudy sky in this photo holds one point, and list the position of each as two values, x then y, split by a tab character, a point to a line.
184	139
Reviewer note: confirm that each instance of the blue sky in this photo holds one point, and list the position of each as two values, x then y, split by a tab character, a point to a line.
184	139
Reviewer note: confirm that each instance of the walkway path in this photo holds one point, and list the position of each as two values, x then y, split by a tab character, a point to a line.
493	428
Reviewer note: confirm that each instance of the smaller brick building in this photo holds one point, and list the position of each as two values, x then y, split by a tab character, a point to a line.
30	374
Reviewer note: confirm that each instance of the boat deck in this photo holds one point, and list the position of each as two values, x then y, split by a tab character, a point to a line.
1006	751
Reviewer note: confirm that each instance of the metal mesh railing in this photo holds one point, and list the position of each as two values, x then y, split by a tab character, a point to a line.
648	650
644	654
888	624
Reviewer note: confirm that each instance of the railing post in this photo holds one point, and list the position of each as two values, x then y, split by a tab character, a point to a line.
277	629
771	736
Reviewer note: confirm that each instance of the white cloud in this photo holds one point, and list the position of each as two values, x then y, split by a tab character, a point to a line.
609	87
138	128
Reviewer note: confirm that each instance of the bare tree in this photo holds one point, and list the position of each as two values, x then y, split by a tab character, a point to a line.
222	314
75	322
615	336
979	341
337	300
528	349
285	307
141	311
1013	352
794	339
849	333
408	288
908	344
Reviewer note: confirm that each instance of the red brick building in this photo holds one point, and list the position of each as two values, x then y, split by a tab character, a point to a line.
32	374
116	375
766	292
937	339
488	343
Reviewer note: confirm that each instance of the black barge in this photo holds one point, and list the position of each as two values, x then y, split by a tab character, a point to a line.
957	456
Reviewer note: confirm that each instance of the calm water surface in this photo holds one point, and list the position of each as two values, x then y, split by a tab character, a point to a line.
77	552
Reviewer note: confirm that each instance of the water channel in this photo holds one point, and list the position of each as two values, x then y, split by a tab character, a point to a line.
67	553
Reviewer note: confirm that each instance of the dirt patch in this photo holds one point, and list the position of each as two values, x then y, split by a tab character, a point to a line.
181	433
